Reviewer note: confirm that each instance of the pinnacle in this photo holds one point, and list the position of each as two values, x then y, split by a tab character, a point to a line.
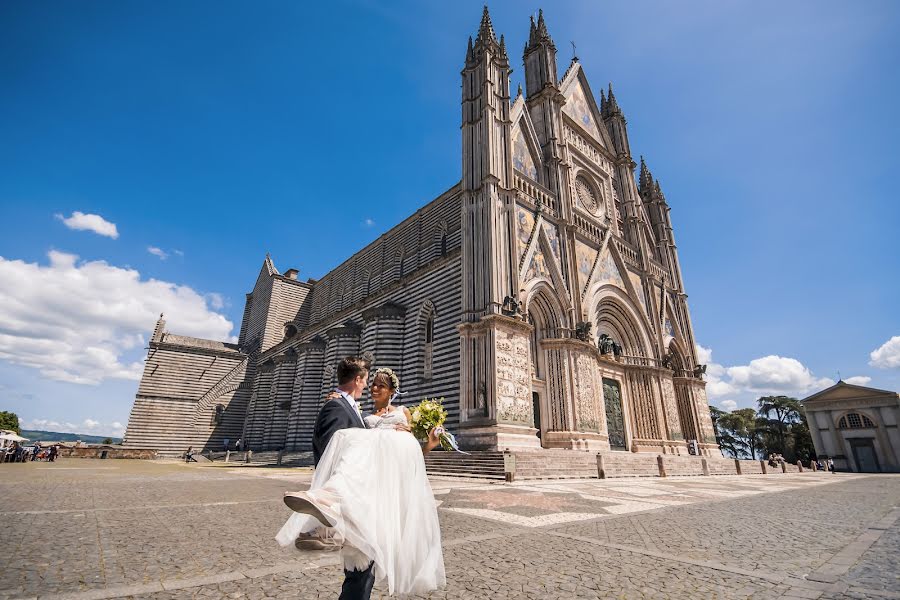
645	182
486	30
469	52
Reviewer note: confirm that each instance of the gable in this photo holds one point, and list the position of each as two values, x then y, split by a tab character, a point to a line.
579	109
522	155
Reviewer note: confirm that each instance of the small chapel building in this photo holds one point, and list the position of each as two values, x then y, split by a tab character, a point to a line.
856	426
541	296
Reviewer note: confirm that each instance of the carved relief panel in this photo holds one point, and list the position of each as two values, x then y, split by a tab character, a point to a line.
670	406
512	354
587	395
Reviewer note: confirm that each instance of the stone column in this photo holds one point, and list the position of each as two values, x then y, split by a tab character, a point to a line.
306	397
382	335
501	416
262	394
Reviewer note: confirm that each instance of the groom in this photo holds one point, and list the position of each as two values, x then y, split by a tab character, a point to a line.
339	412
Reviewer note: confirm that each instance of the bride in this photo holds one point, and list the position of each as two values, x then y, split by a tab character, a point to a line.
371	490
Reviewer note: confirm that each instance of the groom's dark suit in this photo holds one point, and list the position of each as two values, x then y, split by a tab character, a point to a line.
337	414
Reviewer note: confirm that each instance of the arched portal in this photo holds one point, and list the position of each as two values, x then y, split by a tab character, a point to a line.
545	315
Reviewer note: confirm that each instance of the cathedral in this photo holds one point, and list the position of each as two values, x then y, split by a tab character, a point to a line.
541	296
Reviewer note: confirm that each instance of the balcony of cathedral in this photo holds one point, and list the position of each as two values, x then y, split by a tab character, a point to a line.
587	149
535	196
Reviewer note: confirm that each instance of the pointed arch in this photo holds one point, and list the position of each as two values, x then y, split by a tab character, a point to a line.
425	323
615	314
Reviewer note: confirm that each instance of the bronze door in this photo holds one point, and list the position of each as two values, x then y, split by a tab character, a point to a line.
615	420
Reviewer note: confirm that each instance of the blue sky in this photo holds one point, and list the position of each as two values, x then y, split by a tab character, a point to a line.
215	132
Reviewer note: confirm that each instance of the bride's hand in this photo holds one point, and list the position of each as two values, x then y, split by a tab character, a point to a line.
434	438
403	427
332	396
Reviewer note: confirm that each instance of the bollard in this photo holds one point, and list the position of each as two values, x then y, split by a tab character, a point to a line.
661	464
762	465
248	456
509	466
705	465
783	467
737	466
209	455
601	467
799	466
280	456
227	455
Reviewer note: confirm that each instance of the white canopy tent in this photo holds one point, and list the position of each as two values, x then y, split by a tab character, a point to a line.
12	437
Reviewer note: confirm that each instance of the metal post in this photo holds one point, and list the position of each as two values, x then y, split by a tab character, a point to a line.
280	455
227	455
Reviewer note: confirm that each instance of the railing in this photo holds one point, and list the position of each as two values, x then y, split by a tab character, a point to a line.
536	195
658	271
589	229
586	148
628	253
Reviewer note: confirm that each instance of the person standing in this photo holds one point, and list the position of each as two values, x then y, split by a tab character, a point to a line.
829	464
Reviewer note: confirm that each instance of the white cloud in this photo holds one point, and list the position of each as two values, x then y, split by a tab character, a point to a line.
888	355
162	254
74	321
88	222
87	427
178	252
216	301
728	405
369	222
767	375
775	374
858	380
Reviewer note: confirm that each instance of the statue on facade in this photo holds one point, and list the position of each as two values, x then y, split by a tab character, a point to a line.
583	330
512	307
699	371
607	345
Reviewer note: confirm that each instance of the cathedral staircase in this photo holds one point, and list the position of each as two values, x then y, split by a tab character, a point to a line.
480	465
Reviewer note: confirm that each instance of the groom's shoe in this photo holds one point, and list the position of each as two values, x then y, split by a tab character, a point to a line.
298	502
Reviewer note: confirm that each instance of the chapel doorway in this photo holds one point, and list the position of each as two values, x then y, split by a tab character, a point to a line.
864	454
615	419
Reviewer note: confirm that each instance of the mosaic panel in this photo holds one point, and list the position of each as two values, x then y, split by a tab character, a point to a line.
584	256
553	240
639	288
522	159
608	272
578	108
524	227
538	267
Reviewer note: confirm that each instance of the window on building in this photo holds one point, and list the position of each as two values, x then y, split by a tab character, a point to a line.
855	421
428	353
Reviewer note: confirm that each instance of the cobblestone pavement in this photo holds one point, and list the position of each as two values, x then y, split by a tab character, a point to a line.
87	529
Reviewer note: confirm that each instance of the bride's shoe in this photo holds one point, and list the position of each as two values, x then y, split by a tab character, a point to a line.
298	502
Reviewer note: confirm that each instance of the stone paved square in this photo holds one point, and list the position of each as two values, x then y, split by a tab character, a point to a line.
81	529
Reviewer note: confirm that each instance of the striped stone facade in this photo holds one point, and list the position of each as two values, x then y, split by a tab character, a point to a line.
541	296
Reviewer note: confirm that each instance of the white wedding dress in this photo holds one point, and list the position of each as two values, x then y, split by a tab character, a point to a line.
371	484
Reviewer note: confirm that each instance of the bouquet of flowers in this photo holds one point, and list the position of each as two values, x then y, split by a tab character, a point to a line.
428	415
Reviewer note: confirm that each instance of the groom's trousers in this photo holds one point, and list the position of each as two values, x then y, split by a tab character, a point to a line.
358	584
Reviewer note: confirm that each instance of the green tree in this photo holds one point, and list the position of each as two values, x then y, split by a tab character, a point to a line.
733	429
9	421
107	441
787	411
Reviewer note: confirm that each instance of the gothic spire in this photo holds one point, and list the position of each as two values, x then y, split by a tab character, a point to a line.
470	55
645	183
502	46
602	103
486	30
611	104
538	33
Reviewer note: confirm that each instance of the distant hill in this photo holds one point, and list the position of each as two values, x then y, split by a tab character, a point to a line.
54	436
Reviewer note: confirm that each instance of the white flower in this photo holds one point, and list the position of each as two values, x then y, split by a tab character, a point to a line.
416	416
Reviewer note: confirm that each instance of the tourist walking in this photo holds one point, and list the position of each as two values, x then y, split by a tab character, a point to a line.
829	464
370	488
